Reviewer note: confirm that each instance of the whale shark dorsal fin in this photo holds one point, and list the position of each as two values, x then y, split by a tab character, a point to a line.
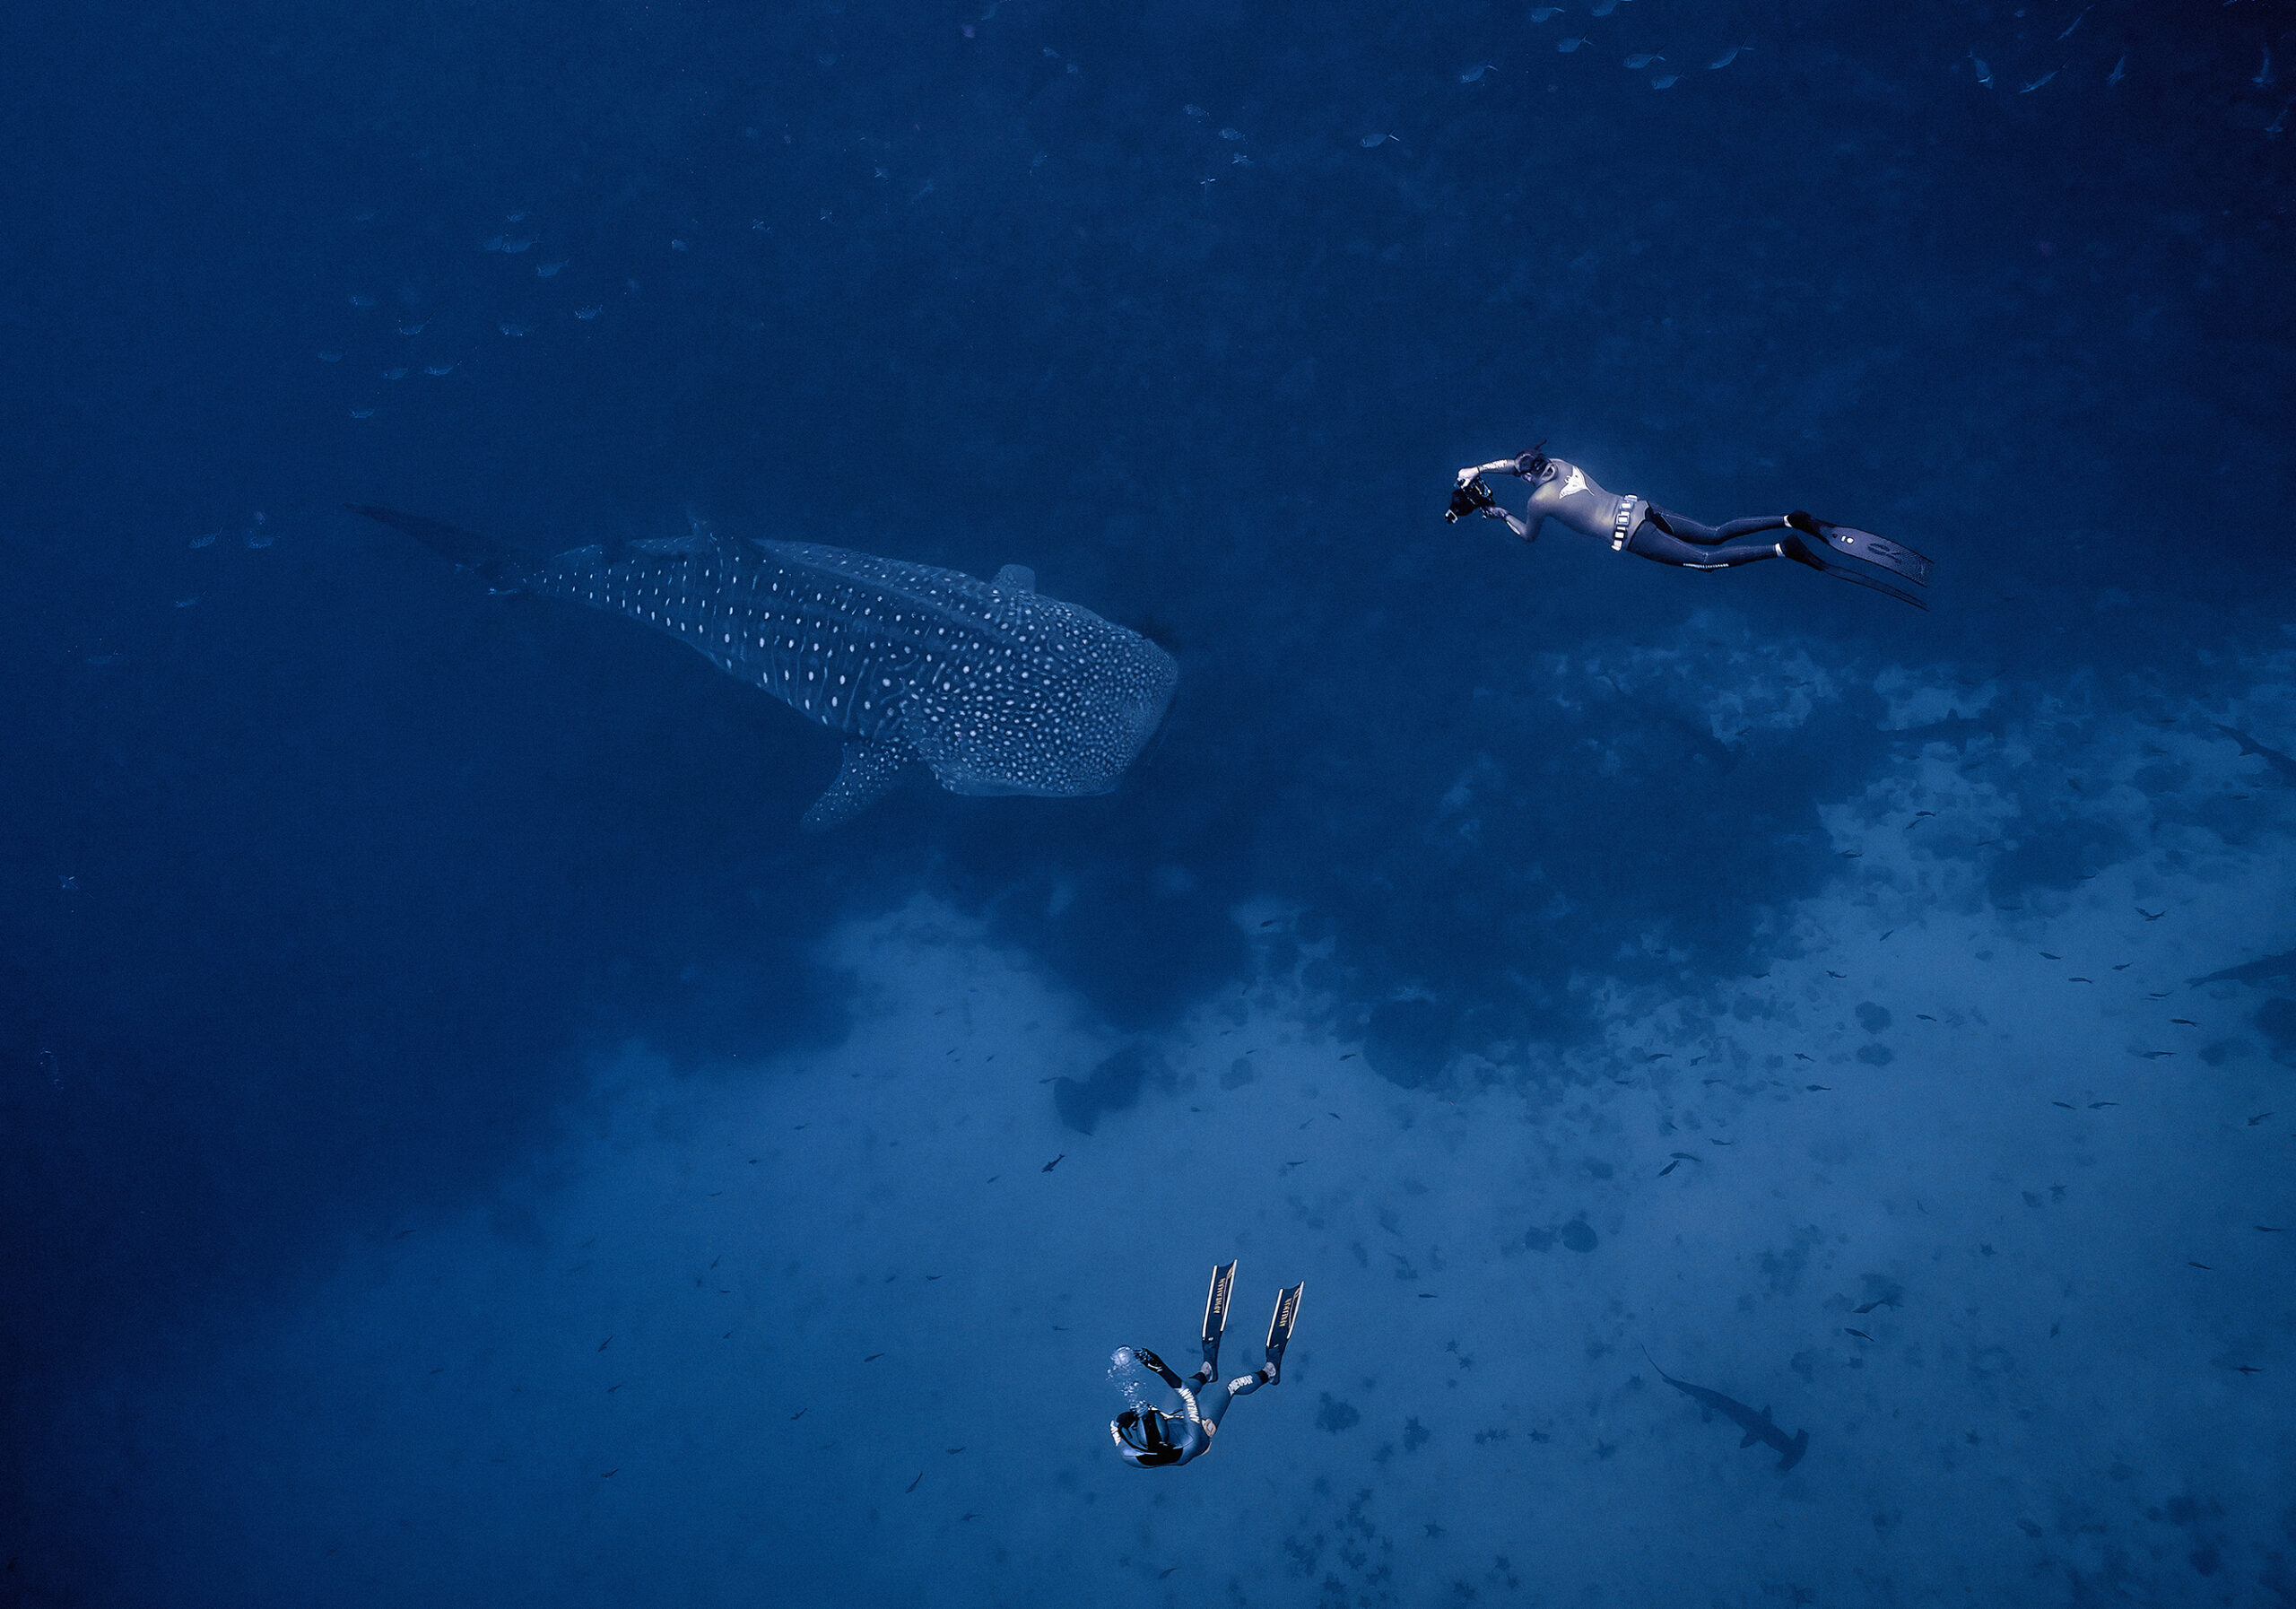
1765	1412
872	767
1016	577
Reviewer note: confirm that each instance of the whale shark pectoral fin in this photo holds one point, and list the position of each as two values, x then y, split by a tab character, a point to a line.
1752	1437
1016	577
873	766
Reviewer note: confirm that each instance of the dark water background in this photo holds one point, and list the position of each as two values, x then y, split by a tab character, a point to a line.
331	882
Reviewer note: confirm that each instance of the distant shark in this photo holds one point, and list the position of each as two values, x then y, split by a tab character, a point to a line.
2253	971
2282	764
1758	1427
994	687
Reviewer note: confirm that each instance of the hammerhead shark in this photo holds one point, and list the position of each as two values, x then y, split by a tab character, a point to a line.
1759	1427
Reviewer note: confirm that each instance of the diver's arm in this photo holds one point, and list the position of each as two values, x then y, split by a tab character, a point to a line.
1157	1366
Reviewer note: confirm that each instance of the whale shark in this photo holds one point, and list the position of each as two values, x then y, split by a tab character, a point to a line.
991	685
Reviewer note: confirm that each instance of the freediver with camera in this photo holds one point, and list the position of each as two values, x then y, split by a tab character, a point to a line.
1561	492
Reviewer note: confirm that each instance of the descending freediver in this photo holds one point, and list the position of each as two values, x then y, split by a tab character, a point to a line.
1561	492
1150	1438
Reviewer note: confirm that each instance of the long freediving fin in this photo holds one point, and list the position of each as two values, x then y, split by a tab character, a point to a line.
1279	1327
1878	551
503	566
872	767
1215	1314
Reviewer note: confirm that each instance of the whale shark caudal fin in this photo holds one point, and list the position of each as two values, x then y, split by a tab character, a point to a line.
1016	577
504	567
872	767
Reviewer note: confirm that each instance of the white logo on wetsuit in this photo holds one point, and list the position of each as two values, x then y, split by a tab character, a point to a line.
1575	484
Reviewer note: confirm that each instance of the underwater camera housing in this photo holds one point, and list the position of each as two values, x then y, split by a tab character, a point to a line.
1470	498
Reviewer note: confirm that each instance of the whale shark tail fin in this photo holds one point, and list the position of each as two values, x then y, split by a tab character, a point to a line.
502	566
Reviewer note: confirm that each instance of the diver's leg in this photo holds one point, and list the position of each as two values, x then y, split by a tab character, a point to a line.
1650	541
1705	536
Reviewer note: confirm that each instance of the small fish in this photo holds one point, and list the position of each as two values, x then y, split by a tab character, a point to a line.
1231	133
330	357
2119	72
1721	1142
588	312
1669	1167
1861	1335
1641	59
2245	1369
1166	1572
414	329
1470	75
608	1475
1800	1058
1056	1163
2150	916
2069	27
1984	73
2263	80
2045	955
1853	854
2259	1117
602	1346
2090	980
2154	1055
1924	1017
1568	46
1665	81
363	301
2272	129
1831	973
800	1413
440	368
1544	12
1814	1087
1726	57
2098	1106
912	1485
2043	79
2067	1105
2183	1022
873	1357
1683	1155
2271	1229
2203	1267
550	270
394	374
362	413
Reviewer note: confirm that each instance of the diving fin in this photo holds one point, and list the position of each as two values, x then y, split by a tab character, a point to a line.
503	566
872	767
1877	551
1215	1314
1279	1327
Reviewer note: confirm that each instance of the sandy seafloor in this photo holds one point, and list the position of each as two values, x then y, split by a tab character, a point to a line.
823	1327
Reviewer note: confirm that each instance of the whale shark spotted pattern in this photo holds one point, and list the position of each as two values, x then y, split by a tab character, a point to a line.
996	688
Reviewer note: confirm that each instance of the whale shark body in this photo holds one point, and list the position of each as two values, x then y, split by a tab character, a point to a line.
992	686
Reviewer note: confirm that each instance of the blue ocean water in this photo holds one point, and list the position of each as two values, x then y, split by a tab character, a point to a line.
465	1145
